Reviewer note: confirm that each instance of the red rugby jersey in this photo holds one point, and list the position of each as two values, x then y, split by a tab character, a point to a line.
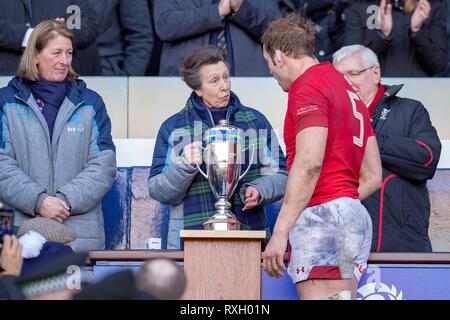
321	97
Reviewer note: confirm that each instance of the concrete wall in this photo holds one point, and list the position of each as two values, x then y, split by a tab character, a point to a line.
138	105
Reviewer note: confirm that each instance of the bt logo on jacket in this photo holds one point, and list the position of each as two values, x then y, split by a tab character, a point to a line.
76	130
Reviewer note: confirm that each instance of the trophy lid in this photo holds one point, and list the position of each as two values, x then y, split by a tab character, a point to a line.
223	132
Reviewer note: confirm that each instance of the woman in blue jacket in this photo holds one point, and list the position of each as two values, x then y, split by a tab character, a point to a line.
174	177
57	158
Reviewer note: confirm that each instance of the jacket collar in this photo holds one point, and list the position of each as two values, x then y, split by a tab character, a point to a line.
391	91
21	88
204	113
75	88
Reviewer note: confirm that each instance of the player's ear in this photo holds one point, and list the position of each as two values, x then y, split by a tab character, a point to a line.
277	56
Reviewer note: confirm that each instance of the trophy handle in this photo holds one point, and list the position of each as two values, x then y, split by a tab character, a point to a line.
198	167
251	160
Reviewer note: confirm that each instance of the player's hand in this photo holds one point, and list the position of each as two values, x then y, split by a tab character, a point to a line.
385	18
193	153
419	15
11	257
251	198
273	256
54	208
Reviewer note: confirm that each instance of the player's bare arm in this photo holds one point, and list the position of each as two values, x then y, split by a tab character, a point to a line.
305	171
370	174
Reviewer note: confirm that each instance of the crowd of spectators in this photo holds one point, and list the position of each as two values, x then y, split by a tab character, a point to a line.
151	37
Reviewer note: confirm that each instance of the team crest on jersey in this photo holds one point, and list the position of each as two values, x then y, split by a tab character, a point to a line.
384	114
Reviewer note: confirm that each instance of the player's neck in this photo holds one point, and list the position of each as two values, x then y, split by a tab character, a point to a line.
299	66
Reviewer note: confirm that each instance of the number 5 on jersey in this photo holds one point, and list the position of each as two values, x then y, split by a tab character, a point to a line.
358	115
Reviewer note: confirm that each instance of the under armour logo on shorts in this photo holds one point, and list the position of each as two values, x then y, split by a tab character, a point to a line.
302	269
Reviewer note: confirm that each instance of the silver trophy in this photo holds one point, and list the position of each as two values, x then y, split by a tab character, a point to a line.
223	160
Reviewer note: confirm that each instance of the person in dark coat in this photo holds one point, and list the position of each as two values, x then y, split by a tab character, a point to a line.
126	38
410	37
409	149
17	19
289	6
235	25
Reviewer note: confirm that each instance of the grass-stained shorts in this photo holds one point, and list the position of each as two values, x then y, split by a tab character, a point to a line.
330	241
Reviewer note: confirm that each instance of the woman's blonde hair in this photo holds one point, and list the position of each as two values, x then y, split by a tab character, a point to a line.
39	39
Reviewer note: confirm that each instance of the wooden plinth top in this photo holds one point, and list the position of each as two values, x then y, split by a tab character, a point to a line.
230	234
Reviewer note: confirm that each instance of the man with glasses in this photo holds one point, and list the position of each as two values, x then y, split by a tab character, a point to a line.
409	149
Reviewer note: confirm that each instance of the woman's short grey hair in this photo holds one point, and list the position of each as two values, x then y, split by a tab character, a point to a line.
204	55
368	57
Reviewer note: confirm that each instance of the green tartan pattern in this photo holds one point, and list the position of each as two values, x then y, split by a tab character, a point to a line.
244	116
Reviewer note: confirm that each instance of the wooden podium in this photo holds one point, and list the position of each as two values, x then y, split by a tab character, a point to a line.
222	265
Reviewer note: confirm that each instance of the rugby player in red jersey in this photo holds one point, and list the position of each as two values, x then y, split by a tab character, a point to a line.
333	162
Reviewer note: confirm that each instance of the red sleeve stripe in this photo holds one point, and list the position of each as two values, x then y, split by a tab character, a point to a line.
429	150
380	217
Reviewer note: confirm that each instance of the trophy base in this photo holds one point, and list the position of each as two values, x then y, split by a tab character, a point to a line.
222	224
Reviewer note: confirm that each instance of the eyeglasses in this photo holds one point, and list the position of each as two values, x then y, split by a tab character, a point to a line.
357	73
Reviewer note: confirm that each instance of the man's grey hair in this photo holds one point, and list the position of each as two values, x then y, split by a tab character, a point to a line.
368	57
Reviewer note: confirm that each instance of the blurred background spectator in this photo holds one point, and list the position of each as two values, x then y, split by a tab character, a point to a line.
159	279
19	17
153	66
410	39
330	27
43	240
10	267
126	36
328	19
235	25
120	285
289	6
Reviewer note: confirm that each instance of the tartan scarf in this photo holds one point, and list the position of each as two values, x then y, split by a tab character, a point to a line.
199	201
